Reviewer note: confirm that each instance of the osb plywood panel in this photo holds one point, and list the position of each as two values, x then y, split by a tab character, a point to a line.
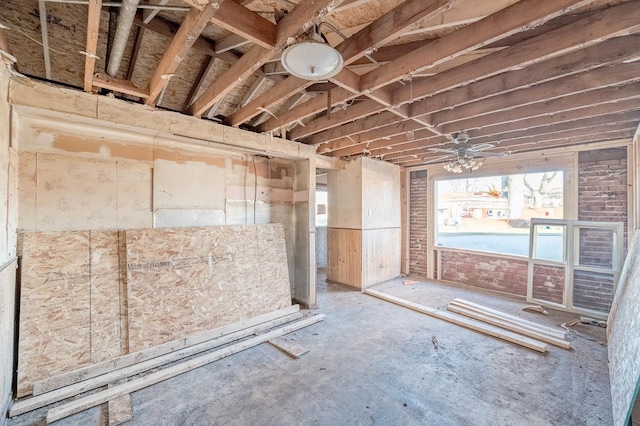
7	298
623	334
189	183
27	192
106	341
134	195
187	280
55	331
76	193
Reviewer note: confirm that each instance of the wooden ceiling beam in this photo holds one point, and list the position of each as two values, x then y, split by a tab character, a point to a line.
571	85
390	26
302	16
393	142
369	123
236	18
578	127
230	42
564	138
194	23
115	84
548	107
149	14
592	57
377	33
93	28
383	133
612	22
501	24
505	22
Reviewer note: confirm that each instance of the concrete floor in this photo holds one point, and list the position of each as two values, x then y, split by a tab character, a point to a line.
374	363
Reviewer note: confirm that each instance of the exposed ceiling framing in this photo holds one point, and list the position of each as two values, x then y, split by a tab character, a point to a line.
520	74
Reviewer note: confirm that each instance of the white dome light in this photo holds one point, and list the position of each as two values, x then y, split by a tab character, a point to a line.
311	60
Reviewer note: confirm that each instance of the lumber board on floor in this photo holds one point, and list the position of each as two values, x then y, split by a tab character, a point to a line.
82	404
289	347
33	403
463	322
508	316
528	325
104	367
510	326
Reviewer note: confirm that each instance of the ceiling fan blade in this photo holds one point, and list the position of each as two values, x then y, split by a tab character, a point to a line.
447	151
481	147
435	160
489	154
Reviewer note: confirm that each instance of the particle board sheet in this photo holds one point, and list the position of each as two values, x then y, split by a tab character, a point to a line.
623	332
187	280
55	330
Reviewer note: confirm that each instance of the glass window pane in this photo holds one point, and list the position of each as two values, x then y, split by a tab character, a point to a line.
549	242
493	213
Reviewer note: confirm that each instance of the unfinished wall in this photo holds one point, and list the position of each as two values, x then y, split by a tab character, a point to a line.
602	191
623	339
364	237
418	224
8	223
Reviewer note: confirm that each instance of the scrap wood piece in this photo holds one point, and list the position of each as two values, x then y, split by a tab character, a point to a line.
119	409
98	398
535	308
593	321
507	316
510	326
464	322
525	324
35	402
289	347
409	282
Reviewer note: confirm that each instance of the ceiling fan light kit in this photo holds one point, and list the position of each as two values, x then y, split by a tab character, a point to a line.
464	154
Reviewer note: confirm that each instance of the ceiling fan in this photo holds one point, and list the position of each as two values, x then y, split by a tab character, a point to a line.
463	155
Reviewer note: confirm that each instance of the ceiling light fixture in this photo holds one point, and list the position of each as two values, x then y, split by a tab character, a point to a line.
312	58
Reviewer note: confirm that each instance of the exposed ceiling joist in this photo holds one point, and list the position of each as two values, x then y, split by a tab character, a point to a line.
193	24
93	27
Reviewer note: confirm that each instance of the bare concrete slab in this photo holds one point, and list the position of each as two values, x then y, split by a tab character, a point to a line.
375	363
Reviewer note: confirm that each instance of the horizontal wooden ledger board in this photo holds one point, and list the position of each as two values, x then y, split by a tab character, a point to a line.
464	322
82	404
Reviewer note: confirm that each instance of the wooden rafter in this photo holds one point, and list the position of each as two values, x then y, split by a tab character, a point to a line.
44	30
194	23
376	34
301	17
93	26
610	23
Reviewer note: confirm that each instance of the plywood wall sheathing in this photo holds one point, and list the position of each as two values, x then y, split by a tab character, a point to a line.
187	280
55	331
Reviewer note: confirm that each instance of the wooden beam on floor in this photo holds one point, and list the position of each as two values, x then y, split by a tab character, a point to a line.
82	404
463	322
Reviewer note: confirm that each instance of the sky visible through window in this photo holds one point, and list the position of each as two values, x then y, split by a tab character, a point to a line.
493	213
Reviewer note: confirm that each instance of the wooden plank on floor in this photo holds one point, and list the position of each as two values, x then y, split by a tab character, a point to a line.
119	410
82	404
33	403
508	316
289	347
510	326
100	368
463	322
550	333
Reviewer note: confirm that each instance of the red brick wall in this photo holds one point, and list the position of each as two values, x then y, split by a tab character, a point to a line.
548	283
418	228
602	197
602	186
485	271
